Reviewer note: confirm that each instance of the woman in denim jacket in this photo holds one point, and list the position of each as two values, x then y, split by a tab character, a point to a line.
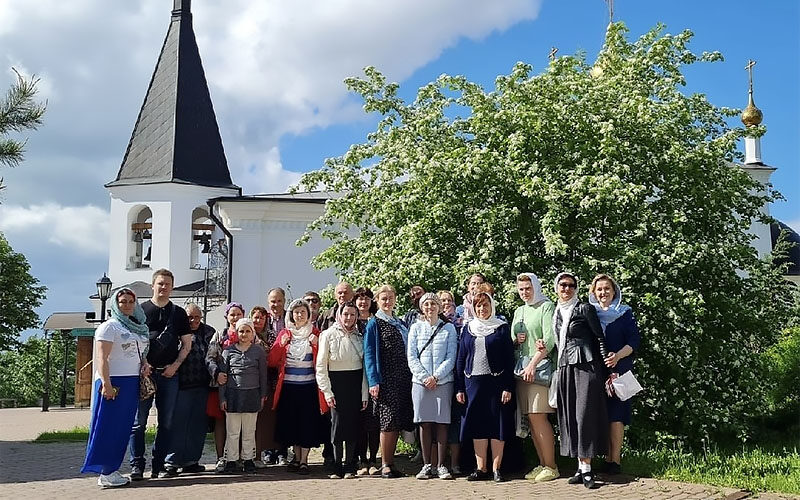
431	358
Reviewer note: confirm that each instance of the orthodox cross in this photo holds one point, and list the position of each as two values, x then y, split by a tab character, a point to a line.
749	68
610	4
553	52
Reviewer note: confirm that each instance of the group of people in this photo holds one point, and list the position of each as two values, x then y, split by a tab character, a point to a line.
278	381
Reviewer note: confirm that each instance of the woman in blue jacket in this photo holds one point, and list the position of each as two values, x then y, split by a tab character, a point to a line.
432	359
388	376
485	383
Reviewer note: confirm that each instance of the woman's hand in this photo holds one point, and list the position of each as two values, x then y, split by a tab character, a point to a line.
108	391
461	398
285	340
611	360
505	397
263	402
529	373
430	382
374	390
222	378
313	340
223	406
363	405
331	401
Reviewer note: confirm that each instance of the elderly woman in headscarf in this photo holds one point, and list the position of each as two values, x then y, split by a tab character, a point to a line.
221	340
533	326
298	401
388	376
622	339
432	360
121	345
581	402
485	383
340	377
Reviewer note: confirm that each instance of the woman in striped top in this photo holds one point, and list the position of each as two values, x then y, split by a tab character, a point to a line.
299	403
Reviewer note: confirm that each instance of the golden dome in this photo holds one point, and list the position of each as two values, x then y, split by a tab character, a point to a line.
751	116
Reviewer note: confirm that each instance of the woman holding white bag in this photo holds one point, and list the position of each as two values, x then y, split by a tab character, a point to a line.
622	339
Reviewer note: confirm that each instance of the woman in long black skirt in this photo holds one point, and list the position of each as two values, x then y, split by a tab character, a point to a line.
340	377
485	383
581	406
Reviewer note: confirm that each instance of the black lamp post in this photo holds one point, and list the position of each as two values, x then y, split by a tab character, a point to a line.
103	291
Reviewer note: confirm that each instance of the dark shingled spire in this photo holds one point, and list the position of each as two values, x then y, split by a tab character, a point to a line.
176	137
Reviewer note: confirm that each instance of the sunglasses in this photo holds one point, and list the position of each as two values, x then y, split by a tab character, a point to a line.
567	285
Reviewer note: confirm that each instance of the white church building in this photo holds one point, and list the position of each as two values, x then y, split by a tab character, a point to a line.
175	206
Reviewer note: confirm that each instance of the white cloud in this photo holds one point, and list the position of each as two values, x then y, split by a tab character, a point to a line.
81	229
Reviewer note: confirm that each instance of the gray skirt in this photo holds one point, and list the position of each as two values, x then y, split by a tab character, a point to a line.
432	405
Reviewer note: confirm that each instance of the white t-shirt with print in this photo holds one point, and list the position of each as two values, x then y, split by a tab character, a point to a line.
124	358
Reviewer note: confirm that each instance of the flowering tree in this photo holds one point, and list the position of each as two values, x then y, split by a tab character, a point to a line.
588	168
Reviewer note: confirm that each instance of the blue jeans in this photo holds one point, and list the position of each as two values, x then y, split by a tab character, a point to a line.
191	426
165	398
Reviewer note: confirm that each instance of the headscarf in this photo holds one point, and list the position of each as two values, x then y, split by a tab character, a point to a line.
299	343
340	319
469	310
137	323
538	296
565	310
399	325
483	327
615	309
245	321
436	300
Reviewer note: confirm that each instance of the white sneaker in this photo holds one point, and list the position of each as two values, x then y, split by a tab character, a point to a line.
426	472
220	467
113	480
443	473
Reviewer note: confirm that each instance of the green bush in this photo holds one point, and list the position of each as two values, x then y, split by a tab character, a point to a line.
782	375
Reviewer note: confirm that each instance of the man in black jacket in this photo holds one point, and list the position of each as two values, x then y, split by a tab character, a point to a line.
170	343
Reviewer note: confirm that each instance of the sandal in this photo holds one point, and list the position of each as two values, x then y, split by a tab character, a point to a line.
303	470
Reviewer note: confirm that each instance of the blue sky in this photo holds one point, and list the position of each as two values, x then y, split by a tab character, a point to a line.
275	71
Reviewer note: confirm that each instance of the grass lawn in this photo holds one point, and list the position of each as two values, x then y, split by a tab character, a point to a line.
81	434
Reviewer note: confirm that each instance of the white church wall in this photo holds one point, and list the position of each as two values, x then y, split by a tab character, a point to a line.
171	206
763	241
265	255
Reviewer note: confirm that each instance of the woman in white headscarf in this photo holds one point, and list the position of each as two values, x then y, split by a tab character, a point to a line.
582	419
532	327
485	383
299	403
340	377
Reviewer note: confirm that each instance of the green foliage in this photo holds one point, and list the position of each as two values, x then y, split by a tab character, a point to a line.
751	468
619	172
18	111
22	370
327	297
782	366
81	434
20	295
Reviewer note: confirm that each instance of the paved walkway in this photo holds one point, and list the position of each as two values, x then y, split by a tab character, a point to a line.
30	470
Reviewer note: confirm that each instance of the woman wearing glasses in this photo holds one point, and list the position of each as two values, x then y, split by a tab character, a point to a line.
581	406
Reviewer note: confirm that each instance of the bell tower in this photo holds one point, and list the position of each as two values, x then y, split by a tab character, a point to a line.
174	164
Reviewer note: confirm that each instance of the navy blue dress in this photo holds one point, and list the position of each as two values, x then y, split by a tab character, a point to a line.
485	416
620	332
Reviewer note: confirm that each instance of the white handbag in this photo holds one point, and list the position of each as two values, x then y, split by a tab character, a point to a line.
626	386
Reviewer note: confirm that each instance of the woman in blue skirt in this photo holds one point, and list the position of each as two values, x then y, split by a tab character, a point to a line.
120	346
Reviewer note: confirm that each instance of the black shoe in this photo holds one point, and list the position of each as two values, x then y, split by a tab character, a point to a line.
194	469
270	457
612	468
303	470
588	480
293	466
389	472
231	467
478	475
155	473
498	478
137	473
576	479
249	467
171	471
